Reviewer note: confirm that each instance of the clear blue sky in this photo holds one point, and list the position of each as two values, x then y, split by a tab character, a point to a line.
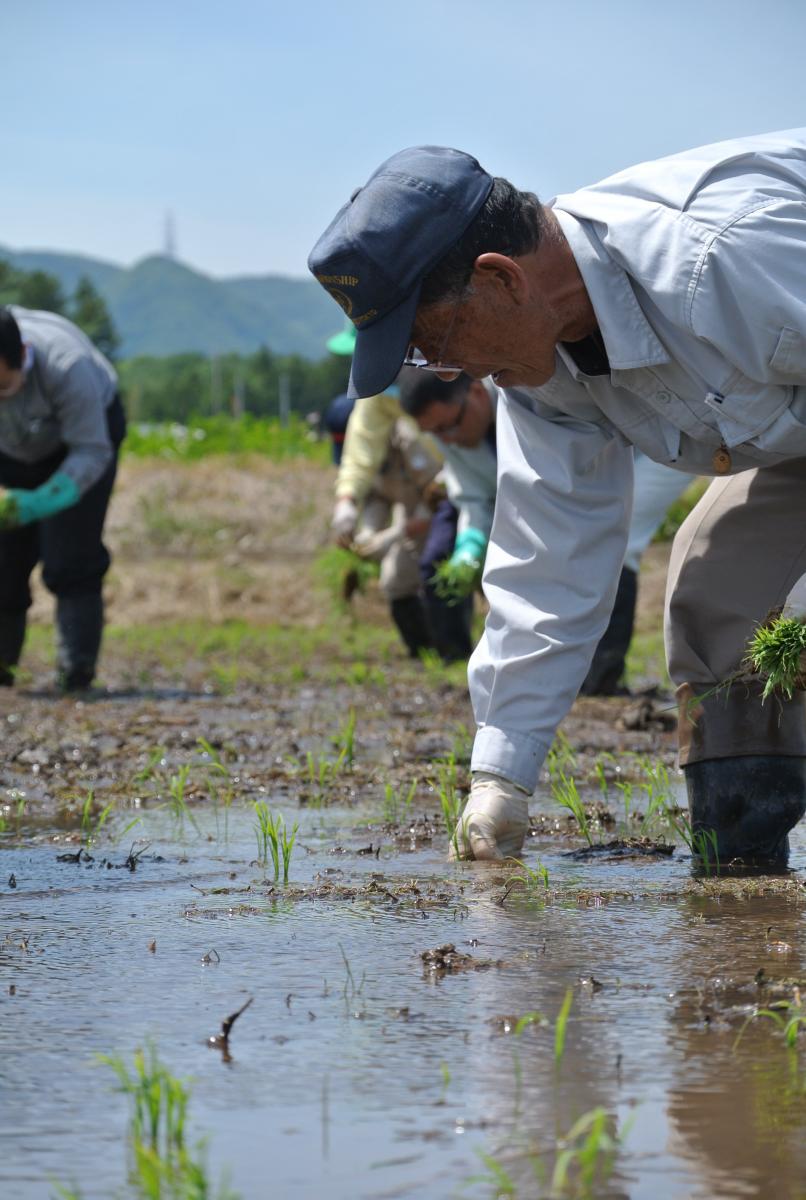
252	120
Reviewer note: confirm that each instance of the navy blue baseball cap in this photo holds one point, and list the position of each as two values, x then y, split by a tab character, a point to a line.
373	256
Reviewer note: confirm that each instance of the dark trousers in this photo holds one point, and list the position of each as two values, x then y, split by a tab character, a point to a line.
69	544
450	623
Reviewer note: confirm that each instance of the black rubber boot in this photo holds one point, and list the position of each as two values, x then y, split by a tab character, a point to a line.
80	622
12	636
606	670
408	613
743	808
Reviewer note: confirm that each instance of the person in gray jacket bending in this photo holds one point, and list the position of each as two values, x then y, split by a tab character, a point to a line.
61	423
461	414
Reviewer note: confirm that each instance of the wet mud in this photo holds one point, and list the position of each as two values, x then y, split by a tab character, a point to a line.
385	1023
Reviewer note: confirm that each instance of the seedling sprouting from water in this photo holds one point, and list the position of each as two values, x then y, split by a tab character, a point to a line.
151	769
775	651
561	1025
91	822
177	803
345	742
788	1015
703	843
561	756
163	1165
273	839
586	1154
564	790
397	802
451	800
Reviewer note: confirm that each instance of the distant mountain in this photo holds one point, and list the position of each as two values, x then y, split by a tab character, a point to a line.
161	306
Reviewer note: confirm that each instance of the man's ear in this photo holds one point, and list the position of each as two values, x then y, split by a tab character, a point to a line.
501	271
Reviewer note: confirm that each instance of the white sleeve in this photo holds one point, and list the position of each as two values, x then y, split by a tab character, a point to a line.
470	480
555	555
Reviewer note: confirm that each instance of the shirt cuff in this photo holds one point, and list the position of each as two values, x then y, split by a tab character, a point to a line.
515	756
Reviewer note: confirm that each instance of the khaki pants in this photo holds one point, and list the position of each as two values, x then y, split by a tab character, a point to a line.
734	558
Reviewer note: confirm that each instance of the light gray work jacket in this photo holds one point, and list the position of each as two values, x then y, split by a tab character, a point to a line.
696	269
63	401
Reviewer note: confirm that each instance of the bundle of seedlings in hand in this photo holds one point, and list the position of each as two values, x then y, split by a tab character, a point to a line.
453	581
775	651
8	510
343	572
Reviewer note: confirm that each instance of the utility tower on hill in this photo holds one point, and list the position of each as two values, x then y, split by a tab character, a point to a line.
169	243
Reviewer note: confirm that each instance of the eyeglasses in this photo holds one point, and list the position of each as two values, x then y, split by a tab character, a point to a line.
415	357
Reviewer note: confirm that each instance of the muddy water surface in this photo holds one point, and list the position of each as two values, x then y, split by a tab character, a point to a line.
361	1070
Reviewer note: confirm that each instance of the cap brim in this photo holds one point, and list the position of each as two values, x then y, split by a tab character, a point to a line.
381	348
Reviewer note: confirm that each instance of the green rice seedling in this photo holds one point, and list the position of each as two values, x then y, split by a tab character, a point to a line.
601	774
702	843
451	799
287	846
177	803
532	878
150	770
462	748
445	1071
342	573
397	802
626	789
91	822
320	774
8	509
215	764
587	1154
774	651
498	1179
273	839
561	1025
454	581
789	1017
267	835
344	742
565	793
351	988
221	798
530	1018
163	1166
561	756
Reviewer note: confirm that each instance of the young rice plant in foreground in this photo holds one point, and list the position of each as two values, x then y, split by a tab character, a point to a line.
775	651
273	839
163	1166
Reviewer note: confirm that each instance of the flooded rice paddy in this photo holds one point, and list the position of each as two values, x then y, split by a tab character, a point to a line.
416	1028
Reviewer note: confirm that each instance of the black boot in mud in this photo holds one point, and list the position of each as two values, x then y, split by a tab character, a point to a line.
12	636
742	810
408	613
79	620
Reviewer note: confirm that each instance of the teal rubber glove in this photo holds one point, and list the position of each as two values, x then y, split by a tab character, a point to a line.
469	549
54	495
460	575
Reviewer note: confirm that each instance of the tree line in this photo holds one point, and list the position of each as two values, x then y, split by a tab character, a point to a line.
180	387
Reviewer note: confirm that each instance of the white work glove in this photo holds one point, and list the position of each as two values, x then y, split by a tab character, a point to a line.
345	517
795	605
495	820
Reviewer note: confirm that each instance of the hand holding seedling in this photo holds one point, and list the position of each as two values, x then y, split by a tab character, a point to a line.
9	513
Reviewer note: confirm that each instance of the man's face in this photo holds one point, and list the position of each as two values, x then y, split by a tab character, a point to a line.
485	333
11	380
463	421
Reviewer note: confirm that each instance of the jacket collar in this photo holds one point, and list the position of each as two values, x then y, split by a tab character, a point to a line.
629	339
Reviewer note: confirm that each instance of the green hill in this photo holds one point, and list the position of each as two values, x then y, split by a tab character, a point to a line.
161	306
